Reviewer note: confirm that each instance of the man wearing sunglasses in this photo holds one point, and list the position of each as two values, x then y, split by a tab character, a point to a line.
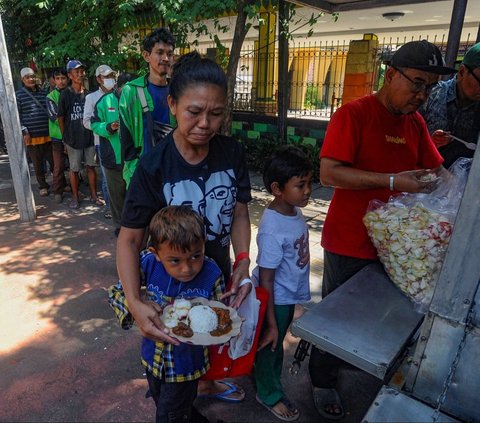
374	147
453	110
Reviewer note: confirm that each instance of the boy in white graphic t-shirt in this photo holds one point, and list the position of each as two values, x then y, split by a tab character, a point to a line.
283	267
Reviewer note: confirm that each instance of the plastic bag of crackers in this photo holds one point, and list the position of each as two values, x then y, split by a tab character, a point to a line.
411	233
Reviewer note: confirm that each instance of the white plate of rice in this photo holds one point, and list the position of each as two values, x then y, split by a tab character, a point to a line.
202	320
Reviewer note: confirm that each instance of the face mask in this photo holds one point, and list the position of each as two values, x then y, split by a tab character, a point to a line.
109	83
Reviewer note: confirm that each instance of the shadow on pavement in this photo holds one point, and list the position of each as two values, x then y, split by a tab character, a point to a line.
63	356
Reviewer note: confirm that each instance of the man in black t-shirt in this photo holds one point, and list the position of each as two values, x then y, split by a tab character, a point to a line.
78	139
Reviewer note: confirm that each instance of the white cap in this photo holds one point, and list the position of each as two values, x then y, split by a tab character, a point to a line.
26	71
104	70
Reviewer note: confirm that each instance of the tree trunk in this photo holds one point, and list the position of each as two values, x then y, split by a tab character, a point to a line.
238	38
13	137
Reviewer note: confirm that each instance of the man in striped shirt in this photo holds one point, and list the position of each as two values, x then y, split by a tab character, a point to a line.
31	102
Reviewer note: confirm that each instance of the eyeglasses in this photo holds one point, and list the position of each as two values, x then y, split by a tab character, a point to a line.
417	86
471	73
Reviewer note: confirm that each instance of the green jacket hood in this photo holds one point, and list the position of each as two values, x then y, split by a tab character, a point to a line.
141	81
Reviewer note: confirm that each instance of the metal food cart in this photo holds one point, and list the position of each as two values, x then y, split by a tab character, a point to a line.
370	324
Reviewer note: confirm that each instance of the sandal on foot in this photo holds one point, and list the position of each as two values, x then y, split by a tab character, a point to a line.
287	404
74	204
96	201
328	403
224	396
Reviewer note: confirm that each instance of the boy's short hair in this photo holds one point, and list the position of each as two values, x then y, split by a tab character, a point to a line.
57	72
180	226
157	36
285	163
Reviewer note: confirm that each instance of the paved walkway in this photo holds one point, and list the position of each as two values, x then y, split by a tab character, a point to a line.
63	356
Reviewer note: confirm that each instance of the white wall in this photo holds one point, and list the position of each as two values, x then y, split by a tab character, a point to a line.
429	19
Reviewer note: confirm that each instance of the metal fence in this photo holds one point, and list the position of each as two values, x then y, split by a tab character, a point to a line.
315	80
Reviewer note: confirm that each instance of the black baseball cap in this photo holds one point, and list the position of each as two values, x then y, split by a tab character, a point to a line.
421	55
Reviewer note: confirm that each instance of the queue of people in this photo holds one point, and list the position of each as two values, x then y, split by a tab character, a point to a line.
57	124
53	131
189	190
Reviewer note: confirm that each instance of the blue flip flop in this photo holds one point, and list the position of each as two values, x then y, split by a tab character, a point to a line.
223	396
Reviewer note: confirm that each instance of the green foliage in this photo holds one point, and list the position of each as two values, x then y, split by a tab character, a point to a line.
257	150
188	21
291	12
185	16
50	32
313	97
54	31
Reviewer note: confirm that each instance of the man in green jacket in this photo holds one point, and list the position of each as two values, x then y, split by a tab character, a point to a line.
105	123
135	137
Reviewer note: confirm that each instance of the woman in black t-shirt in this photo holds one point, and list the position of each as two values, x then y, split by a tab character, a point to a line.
195	166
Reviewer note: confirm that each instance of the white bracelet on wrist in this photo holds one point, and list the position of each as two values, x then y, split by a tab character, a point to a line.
392	182
245	281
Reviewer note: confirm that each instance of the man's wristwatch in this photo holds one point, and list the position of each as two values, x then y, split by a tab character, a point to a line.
392	182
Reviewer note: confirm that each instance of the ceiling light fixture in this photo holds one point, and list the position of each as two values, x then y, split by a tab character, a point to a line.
393	16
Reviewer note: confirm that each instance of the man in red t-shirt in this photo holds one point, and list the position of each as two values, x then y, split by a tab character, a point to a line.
374	147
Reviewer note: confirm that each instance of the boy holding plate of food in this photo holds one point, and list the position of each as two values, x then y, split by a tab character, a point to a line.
175	270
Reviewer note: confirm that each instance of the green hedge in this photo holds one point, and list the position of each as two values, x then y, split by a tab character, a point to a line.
257	150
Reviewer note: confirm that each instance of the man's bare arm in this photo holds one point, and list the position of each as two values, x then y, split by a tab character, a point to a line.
343	176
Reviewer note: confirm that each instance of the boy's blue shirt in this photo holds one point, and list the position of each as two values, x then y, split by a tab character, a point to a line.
183	362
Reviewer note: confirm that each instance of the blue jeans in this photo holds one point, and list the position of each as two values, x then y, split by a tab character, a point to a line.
104	179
